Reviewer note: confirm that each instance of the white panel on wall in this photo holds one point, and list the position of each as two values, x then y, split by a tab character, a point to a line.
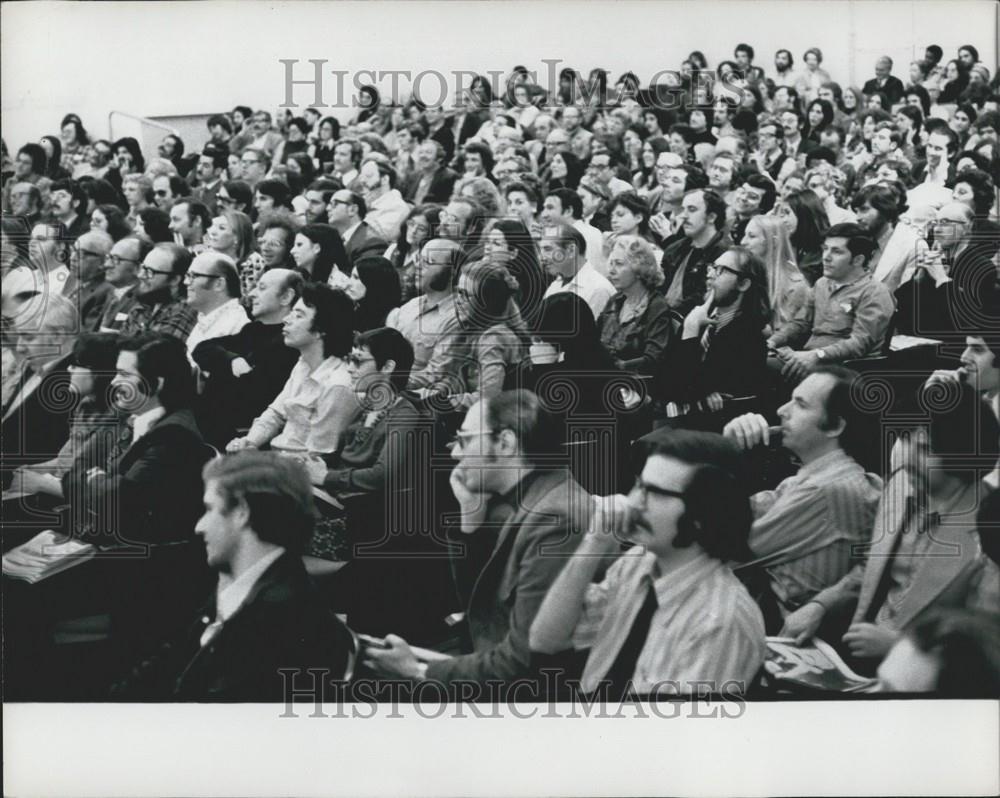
181	59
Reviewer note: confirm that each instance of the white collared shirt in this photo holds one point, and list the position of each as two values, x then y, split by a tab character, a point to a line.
230	598
346	235
227	319
142	422
587	284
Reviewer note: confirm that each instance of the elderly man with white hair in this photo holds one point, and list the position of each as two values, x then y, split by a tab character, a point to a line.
35	420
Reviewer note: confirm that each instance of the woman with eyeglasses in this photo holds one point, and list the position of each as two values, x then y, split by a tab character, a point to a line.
419	227
275	237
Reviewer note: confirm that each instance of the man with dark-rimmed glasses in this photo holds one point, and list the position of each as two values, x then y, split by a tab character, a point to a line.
509	492
669	617
161	306
121	272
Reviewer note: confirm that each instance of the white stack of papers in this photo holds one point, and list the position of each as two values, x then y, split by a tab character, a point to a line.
44	555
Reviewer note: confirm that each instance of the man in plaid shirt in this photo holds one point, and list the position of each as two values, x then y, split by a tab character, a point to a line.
161	306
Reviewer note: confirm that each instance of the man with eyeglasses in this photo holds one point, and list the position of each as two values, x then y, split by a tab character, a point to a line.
254	164
167	189
429	321
264	139
601	169
770	158
669	616
85	286
161	306
755	196
346	212
213	290
121	272
508	491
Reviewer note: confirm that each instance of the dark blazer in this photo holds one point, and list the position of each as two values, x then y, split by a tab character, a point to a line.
35	428
640	344
152	493
547	524
675	254
735	363
281	624
471	124
115	311
230	403
440	189
893	89
365	243
90	299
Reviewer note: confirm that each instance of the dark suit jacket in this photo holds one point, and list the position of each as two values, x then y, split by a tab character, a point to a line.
115	307
365	243
152	493
281	624
531	548
735	363
90	299
35	429
229	403
675	254
893	89
440	189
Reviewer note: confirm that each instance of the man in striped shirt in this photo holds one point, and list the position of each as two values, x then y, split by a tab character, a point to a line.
806	531
669	617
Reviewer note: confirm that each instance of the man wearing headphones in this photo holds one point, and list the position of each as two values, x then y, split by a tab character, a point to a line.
669	617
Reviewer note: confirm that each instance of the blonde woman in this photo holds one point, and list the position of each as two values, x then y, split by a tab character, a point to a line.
767	238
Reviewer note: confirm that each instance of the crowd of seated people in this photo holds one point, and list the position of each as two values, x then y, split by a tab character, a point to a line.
579	380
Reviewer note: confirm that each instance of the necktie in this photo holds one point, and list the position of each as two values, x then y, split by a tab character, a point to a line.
622	669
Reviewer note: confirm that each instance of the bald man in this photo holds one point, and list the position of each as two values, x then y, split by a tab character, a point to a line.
213	289
85	285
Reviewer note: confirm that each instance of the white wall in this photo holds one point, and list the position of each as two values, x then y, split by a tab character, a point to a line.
163	59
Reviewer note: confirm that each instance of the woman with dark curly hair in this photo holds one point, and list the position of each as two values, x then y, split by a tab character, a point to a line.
111	220
976	189
154	224
509	242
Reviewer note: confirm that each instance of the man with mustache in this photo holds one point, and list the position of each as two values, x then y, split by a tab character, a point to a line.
669	617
